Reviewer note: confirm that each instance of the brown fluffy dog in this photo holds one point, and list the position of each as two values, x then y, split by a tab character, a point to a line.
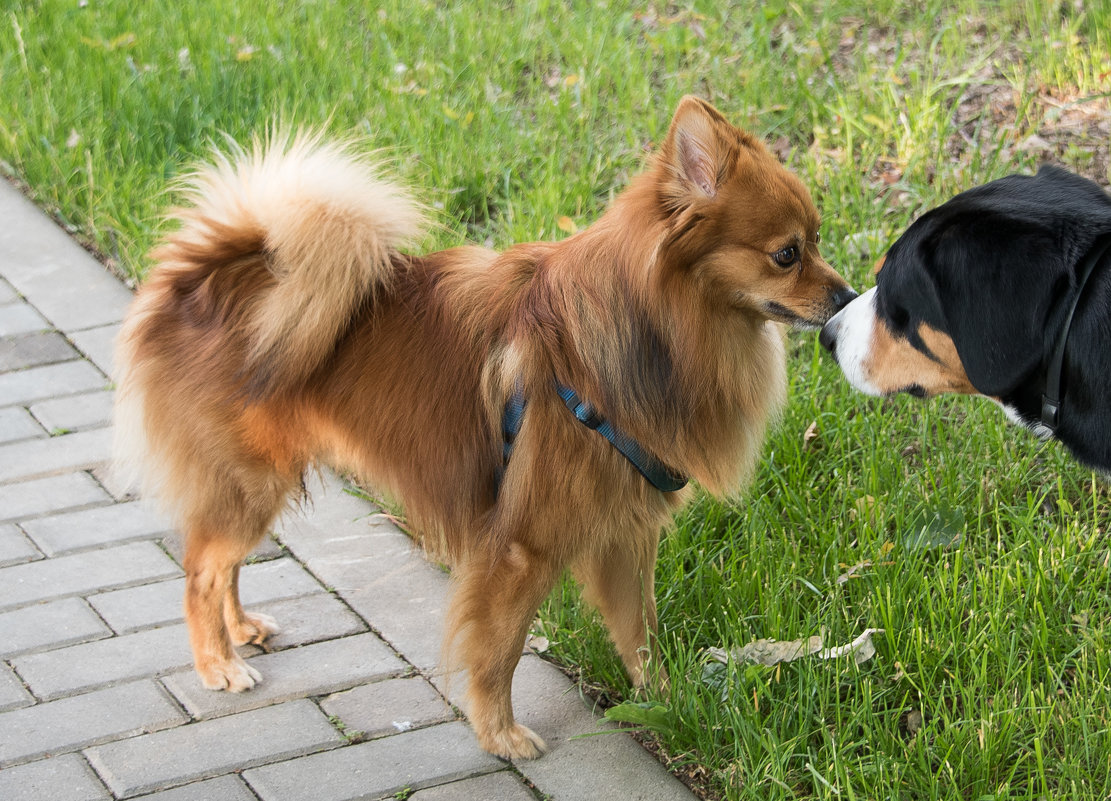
283	326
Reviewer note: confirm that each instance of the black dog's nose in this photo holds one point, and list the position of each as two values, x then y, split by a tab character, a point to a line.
843	298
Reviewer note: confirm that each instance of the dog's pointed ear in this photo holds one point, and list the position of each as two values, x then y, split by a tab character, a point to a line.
695	151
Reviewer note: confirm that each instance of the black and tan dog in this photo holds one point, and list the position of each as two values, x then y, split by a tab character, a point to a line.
1003	291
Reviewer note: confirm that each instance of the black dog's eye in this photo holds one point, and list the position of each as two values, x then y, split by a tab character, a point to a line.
786	257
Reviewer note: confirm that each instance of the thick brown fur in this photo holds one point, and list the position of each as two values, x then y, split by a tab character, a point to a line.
284	326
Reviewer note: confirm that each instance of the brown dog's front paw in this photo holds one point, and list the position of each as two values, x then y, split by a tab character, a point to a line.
234	675
253	628
515	742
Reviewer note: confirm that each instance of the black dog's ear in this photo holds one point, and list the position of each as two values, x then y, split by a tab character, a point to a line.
995	286
990	267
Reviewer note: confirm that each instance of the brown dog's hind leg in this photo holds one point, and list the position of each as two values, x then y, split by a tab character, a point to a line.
492	610
620	582
214	548
210	561
244	627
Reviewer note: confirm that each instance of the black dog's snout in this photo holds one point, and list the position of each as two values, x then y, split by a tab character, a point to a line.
843	298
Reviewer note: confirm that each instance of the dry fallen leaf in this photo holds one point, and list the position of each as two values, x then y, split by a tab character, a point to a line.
537	643
866	508
772	652
567	225
854	571
861	649
810	435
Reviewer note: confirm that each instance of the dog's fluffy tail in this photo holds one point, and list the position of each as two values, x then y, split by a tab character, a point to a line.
327	229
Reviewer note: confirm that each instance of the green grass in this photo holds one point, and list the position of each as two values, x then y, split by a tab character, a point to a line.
992	679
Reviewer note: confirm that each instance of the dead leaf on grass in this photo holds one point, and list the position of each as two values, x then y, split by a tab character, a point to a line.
772	652
809	435
538	643
854	571
567	225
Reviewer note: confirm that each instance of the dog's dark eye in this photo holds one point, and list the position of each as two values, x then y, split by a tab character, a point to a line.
817	237
786	257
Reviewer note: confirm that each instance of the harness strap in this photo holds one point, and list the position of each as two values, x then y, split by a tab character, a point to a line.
512	418
658	474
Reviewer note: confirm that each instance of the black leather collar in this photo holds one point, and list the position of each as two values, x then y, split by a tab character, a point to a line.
1055	370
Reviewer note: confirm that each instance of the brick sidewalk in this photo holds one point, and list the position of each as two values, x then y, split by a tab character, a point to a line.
97	696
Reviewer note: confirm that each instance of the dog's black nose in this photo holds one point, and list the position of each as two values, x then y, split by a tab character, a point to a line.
843	298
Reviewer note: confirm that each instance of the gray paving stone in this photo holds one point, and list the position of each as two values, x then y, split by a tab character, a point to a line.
211	748
295	673
61	778
12	693
225	788
15	549
377	769
53	272
103	474
502	786
411	621
611	766
161	603
102	525
36	383
99	346
79	668
83	573
54	494
69	452
7	293
156	652
166	650
372	566
75	413
310	619
61	726
20	318
389	707
52	624
34	350
16	423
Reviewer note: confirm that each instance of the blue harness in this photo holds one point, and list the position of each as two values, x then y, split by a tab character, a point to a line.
658	474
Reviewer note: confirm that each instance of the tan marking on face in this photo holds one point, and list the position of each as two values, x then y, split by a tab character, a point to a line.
893	364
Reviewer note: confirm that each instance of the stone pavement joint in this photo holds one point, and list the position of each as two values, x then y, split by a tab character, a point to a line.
98	700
